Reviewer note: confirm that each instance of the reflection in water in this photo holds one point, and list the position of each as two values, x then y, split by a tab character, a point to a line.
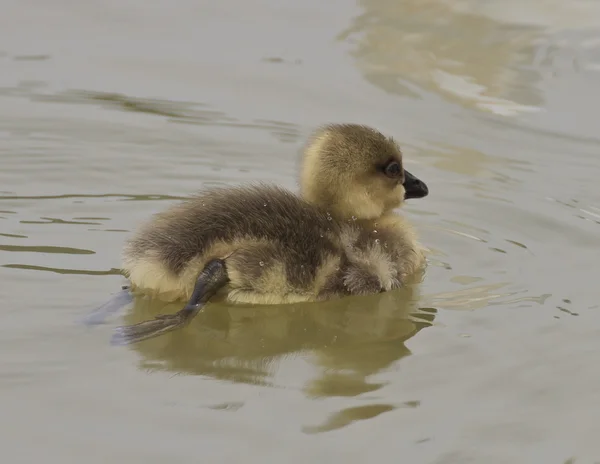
474	164
347	416
348	339
402	45
174	111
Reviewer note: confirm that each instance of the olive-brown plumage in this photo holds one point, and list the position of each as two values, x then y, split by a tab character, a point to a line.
264	244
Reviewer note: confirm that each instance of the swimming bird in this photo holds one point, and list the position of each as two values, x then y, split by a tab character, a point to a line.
264	244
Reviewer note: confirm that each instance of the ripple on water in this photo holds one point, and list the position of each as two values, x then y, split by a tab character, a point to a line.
174	111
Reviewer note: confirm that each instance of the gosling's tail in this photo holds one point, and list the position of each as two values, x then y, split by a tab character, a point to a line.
211	279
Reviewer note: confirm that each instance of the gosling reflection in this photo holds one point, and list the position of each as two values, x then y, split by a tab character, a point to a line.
346	340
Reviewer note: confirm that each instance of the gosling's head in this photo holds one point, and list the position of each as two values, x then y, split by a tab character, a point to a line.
354	170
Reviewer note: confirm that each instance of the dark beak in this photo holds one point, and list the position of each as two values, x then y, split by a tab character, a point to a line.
415	188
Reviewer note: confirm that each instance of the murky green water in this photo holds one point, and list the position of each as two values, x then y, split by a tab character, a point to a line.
110	111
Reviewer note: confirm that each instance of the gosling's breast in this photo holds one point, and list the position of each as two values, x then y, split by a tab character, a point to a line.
370	259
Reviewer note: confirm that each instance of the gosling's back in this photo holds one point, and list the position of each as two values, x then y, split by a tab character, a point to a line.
265	228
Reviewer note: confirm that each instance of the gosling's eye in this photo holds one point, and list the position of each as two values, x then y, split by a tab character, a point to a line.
393	169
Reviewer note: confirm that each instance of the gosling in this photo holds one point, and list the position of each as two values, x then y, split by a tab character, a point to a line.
263	244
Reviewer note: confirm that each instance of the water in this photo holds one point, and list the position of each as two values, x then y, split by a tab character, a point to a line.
111	111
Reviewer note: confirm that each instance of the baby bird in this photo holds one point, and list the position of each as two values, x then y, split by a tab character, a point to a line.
263	244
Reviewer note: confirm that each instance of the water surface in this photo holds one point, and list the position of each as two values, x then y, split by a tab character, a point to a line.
110	112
